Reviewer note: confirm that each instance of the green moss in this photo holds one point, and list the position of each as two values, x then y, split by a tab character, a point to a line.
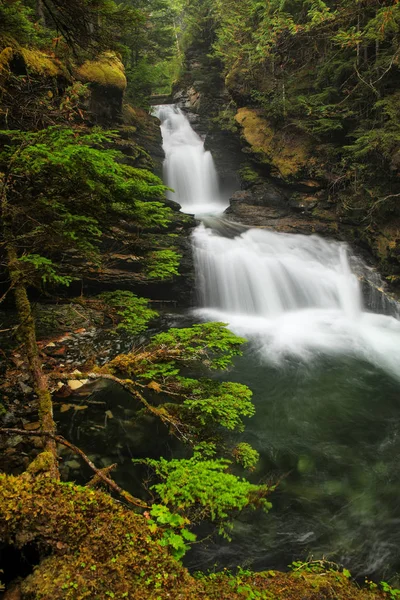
43	463
288	152
96	549
6	57
130	117
41	64
99	549
249	176
107	71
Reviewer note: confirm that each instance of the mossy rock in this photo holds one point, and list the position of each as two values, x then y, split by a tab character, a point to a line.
99	549
6	56
287	151
307	583
39	63
106	71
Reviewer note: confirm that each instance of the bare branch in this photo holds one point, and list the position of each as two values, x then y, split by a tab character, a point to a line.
99	473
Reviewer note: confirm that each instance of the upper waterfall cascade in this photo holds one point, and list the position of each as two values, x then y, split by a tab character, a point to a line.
188	168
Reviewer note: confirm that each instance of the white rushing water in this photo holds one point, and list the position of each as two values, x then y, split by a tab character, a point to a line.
188	168
294	295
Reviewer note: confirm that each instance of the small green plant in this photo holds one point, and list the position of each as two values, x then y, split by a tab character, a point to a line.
246	456
393	593
175	536
204	489
249	175
163	264
132	312
317	567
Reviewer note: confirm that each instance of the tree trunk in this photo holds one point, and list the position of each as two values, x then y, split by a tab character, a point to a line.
40	12
27	334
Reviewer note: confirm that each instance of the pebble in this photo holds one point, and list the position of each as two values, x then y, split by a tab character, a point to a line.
74	384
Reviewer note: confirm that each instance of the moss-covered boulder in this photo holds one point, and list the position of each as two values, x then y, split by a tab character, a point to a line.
106	71
42	64
286	150
31	61
96	548
106	78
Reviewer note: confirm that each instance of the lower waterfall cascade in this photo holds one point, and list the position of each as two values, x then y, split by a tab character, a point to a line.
294	295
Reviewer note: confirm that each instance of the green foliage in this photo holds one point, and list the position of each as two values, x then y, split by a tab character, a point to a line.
163	264
225	120
133	312
246	456
249	176
151	54
45	269
17	22
61	186
327	68
211	344
214	402
392	593
204	405
175	535
197	409
204	488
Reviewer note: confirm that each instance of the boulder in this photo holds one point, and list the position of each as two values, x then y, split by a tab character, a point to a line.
107	81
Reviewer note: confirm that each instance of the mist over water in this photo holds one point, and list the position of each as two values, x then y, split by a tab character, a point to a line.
188	169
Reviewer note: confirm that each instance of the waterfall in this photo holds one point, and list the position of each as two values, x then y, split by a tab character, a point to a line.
188	168
293	295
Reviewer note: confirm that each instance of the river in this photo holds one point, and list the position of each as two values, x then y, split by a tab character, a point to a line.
323	361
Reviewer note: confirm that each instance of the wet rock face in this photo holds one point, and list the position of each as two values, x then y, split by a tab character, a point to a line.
283	209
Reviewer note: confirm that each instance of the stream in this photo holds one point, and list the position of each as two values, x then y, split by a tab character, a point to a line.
323	362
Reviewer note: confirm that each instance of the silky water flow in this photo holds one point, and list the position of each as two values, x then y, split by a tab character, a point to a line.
323	361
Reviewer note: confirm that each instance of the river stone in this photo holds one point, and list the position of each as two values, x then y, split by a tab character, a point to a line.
74	384
73	464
